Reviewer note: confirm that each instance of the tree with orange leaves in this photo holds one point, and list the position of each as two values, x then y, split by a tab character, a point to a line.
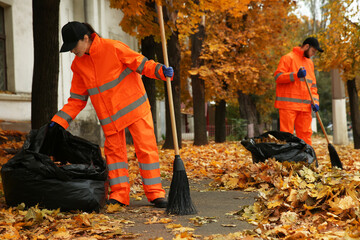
241	51
340	38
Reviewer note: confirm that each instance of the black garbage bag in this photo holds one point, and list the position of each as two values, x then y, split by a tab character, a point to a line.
293	149
55	169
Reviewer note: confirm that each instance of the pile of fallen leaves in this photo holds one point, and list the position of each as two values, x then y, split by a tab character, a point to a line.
10	142
296	201
35	223
269	139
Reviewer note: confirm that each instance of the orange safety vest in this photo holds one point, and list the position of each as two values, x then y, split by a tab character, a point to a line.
291	92
110	75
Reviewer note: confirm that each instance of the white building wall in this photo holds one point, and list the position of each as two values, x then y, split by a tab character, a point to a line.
160	127
20	54
20	60
23	45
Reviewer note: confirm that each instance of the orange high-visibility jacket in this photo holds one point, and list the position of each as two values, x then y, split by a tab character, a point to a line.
291	92
110	76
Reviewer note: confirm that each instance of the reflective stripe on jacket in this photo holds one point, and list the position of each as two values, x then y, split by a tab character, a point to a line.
291	92
110	76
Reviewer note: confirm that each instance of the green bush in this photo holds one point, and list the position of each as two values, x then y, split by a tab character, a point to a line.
238	129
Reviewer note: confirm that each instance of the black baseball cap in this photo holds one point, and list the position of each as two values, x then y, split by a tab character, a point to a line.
71	33
313	42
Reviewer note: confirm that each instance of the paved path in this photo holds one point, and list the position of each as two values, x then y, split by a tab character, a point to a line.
208	204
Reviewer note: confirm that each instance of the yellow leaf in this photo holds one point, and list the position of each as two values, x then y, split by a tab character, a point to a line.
183	229
165	220
232	183
193	72
292	196
173	225
289	217
62	232
111	208
157	220
275	203
228	225
342	203
82	220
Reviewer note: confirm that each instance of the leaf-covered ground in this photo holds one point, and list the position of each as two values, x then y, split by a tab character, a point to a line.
295	201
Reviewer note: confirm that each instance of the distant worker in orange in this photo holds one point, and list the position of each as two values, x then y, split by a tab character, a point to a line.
109	72
292	96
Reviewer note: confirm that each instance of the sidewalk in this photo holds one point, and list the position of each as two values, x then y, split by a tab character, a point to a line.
13	125
211	204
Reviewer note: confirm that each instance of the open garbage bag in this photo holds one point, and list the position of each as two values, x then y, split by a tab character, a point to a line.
55	169
282	146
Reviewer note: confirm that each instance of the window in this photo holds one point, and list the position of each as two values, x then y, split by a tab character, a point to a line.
3	82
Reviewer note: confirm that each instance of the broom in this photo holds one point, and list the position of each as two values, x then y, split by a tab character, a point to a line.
334	157
179	200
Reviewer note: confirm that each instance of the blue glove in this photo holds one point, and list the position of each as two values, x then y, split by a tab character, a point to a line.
168	71
315	107
52	124
301	73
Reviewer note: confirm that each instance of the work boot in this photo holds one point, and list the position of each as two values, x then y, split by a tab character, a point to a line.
114	201
160	202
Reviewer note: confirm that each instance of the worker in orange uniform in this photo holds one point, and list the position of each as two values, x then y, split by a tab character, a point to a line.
108	72
292	96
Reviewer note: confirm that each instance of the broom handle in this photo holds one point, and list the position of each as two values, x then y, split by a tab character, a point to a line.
317	114
168	79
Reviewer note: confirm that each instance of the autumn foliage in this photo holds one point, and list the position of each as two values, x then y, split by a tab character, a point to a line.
243	44
341	38
10	142
295	201
240	49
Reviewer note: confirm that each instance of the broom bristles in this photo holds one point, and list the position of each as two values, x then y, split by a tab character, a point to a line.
179	200
334	157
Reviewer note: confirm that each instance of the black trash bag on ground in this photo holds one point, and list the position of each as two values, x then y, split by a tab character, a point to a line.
75	177
287	148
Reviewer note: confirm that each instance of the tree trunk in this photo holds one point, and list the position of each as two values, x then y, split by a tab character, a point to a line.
173	49
148	50
174	61
198	89
354	111
44	93
220	121
248	111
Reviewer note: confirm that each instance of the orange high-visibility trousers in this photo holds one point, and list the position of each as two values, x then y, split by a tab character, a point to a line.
142	132
301	121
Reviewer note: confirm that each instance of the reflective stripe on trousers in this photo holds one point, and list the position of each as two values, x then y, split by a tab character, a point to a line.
142	132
